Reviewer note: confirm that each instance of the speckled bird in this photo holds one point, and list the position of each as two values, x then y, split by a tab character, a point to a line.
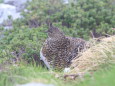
59	50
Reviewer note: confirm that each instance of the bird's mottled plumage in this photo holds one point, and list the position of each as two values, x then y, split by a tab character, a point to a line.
59	50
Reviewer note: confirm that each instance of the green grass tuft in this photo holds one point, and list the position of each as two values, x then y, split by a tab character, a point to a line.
25	74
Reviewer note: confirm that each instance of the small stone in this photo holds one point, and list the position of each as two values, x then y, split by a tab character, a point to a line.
35	84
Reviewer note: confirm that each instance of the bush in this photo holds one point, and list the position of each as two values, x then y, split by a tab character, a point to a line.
80	18
1	1
94	15
77	19
22	43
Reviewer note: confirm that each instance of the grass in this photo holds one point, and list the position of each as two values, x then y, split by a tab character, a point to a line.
104	77
25	74
97	55
10	75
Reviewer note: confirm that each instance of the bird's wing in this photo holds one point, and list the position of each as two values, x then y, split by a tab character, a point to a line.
44	59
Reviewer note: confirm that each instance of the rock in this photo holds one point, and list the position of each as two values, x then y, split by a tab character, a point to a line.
66	1
15	1
11	9
34	84
10	2
19	4
8	27
6	11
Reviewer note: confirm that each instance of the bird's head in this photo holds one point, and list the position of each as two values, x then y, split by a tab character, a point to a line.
54	32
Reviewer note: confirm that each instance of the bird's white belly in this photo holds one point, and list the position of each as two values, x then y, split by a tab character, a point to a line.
43	58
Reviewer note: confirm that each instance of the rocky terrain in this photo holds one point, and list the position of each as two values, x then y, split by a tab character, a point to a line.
10	10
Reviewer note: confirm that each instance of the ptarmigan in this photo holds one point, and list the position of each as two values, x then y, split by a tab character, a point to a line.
58	50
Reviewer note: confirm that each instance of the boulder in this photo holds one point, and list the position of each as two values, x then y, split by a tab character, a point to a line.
66	1
10	2
6	12
19	4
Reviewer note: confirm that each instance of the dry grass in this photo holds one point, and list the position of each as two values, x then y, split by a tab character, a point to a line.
99	54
